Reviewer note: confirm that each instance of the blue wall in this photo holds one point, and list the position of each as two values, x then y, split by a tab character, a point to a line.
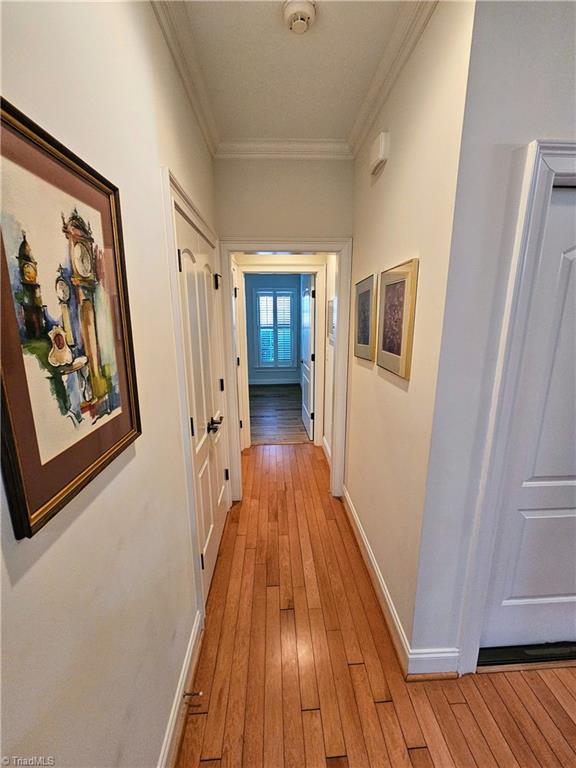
277	283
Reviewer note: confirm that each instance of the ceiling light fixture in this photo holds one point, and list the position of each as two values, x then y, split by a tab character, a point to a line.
299	15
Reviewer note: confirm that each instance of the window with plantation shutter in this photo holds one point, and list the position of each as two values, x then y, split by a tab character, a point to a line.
276	329
266	328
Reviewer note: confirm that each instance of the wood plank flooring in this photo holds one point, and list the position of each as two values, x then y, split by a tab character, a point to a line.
276	414
297	668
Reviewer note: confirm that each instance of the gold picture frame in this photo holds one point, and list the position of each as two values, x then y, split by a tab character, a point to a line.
365	318
396	317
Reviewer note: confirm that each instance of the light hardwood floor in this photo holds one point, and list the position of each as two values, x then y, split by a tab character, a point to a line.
276	414
297	668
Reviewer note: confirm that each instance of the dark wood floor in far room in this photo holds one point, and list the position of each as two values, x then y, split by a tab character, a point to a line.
276	414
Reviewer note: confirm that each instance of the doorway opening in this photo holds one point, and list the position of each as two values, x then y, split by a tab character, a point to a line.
280	303
322	269
280	310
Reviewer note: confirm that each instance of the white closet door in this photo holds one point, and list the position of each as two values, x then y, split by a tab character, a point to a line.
532	596
202	322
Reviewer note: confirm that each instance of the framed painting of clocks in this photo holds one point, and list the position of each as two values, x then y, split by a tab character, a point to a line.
69	395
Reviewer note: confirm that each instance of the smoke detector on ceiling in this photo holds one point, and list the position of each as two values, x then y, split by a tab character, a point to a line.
299	15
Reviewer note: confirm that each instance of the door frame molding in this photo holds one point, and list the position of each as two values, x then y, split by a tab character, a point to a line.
342	247
319	272
548	164
242	353
175	197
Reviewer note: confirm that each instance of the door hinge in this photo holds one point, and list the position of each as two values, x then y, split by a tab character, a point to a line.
192	426
221	385
217	280
235	292
226	474
241	426
237	361
202	560
179	260
312	358
312	416
313	293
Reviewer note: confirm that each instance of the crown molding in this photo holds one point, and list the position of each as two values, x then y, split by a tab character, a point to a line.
290	243
410	23
175	25
289	149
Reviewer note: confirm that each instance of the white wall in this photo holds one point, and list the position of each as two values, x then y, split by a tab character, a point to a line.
98	607
521	87
406	213
331	279
284	198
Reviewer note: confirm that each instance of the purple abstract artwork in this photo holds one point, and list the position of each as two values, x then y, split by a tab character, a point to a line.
393	317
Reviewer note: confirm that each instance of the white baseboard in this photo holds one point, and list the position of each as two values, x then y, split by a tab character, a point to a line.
392	619
188	663
270	380
327	451
427	661
420	661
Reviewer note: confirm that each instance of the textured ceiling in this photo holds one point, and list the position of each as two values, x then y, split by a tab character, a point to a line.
264	82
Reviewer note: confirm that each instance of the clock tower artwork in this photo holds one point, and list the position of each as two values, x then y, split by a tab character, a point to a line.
31	296
74	345
83	255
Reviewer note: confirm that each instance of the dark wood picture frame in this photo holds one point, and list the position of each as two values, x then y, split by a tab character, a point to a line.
37	489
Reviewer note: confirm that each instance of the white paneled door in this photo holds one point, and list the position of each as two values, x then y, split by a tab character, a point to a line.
307	347
200	296
532	596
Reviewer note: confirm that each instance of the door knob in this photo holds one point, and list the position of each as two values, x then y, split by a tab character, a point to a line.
214	424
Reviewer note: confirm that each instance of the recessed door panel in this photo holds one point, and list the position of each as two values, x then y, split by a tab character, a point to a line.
194	369
207	510
547	544
556	448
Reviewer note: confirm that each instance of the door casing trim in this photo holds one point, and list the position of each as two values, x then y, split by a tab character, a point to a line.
342	247
319	272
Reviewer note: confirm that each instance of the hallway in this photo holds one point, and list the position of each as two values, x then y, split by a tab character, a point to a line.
297	667
371	205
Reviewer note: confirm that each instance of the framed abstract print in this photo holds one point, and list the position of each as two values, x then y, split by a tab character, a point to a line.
396	319
365	325
69	398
